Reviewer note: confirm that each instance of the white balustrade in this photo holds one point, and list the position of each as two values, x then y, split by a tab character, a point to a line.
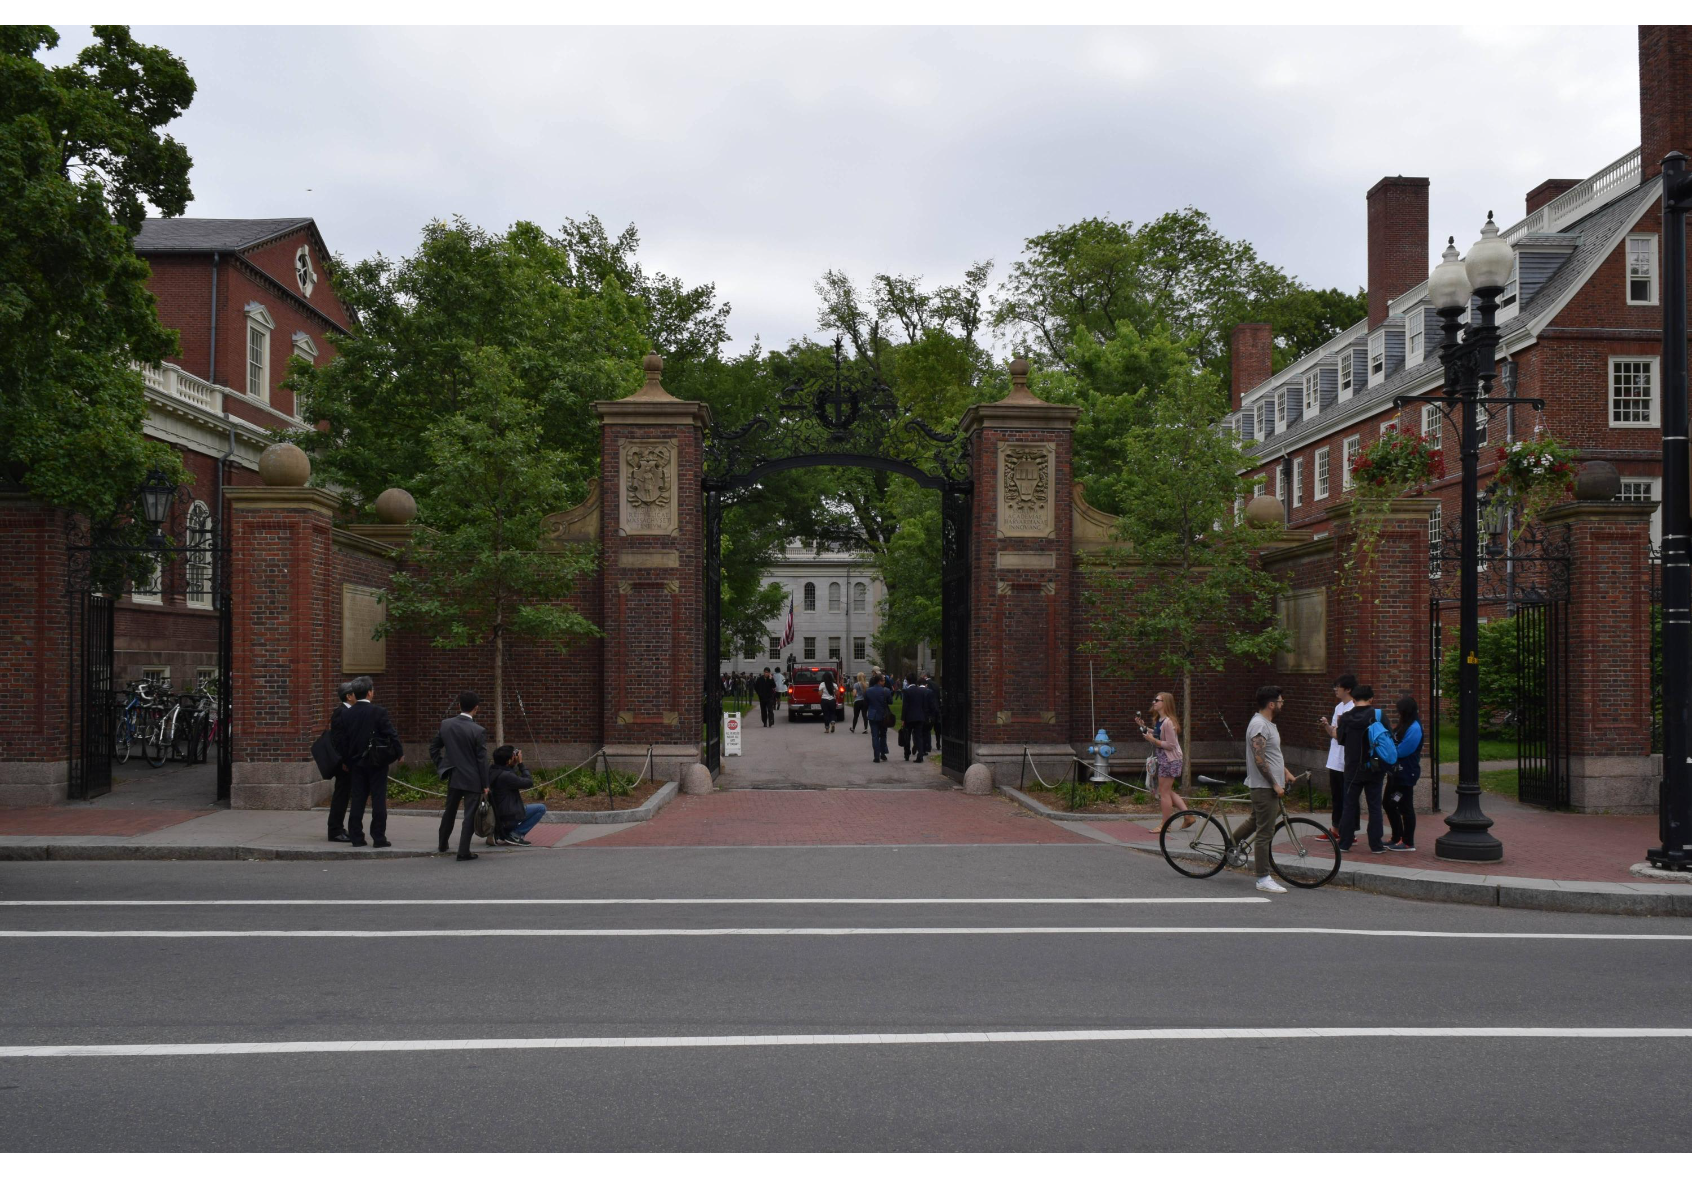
171	381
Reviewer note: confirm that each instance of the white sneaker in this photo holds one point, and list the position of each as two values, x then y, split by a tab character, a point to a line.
1268	884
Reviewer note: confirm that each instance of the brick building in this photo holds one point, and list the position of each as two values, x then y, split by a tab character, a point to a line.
1580	323
245	296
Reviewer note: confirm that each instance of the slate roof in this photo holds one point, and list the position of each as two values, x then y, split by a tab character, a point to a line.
205	234
1595	231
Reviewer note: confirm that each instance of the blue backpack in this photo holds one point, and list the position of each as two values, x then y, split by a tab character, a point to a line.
1383	750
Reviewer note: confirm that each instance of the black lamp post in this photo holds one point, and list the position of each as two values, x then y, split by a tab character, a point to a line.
1674	806
156	493
1470	368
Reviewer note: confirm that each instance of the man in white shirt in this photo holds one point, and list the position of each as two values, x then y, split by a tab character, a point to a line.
781	688
1343	687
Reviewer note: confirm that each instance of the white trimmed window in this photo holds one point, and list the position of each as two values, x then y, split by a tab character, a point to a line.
775	646
259	327
1377	357
157	676
198	565
1633	392
1433	422
1413	338
1280	410
810	597
150	590
1239	509
834	597
860	649
860	598
810	650
834	648
1312	394
203	676
1280	484
1351	448
1390	426
1322	473
305	347
1298	482
1642	269
1512	286
1482	417
1435	540
1646	491
1345	386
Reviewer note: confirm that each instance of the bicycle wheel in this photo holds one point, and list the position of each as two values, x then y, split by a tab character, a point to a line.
1198	851
156	748
1303	855
124	735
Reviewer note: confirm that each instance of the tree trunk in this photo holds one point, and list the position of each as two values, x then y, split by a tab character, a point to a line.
1186	721
499	688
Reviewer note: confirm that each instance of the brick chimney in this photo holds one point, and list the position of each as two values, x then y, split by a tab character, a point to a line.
1398	240
1252	358
1665	94
1545	193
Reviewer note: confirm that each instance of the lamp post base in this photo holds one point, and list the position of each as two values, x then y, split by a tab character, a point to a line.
1665	859
1468	838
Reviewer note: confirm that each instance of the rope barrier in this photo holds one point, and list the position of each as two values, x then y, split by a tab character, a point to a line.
1028	763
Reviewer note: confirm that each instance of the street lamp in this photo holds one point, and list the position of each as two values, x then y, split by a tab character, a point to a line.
1674	807
156	493
1470	368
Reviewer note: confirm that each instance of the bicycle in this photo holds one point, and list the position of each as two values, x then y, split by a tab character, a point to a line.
170	738
1207	846
132	720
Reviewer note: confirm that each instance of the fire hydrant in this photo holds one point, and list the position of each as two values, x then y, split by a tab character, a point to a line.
1102	751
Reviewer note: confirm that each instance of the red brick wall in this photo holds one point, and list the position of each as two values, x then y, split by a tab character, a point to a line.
34	667
277	260
1665	93
1252	360
1609	667
1398	240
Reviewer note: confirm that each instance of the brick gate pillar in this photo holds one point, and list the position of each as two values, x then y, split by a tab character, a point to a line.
1020	570
651	451
1608	676
281	569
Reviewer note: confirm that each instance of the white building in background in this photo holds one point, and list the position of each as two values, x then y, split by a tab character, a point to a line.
836	600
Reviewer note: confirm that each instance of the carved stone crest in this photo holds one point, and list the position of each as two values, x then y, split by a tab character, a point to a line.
648	500
1025	488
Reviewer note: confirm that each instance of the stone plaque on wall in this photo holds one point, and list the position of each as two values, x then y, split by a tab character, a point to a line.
1026	474
362	611
647	500
1304	615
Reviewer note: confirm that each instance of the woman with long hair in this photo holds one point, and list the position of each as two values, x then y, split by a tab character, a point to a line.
1400	792
1164	735
859	703
829	697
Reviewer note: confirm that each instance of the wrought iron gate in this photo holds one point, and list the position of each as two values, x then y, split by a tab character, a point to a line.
843	416
1524	584
93	621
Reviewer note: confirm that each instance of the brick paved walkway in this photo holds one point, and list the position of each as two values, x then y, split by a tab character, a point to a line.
845	817
33	820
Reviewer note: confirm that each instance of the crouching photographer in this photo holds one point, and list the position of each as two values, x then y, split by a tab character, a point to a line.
513	817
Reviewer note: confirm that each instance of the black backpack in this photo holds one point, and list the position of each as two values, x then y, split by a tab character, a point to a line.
379	753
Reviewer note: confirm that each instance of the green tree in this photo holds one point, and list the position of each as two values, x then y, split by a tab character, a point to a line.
81	156
910	569
482	575
427	320
1184	593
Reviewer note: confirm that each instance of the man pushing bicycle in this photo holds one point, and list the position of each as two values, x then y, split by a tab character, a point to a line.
1268	778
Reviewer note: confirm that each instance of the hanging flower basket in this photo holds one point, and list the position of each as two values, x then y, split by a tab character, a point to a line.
1534	475
1397	464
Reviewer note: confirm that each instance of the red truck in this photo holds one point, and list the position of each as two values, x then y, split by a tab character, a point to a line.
804	688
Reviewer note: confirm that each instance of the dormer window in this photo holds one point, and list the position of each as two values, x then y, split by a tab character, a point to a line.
1345	375
1413	338
1377	357
1312	393
1510	288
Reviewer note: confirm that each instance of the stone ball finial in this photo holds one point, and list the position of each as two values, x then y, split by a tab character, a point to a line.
395	506
1266	509
284	464
654	364
1598	481
1019	369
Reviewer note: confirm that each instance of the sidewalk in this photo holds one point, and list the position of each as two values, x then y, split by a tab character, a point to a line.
1552	860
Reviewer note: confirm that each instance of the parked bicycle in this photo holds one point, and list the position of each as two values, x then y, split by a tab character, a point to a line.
171	738
1305	853
135	718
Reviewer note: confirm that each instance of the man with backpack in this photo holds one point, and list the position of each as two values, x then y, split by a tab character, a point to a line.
1369	750
368	744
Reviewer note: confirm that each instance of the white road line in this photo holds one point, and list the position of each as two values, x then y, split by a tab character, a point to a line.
359	1046
574	902
919	931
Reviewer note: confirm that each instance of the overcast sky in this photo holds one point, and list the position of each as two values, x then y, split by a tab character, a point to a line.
757	158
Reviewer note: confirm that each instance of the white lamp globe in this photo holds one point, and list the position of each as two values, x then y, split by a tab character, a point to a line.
1448	285
1490	259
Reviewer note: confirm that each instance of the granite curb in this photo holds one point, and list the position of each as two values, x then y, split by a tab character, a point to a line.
638	813
1045	811
61	852
1454	887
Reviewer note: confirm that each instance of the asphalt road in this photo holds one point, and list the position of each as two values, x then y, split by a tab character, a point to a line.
326	1008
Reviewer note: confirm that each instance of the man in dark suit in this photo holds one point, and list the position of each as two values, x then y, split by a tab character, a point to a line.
879	712
931	712
764	687
368	744
343	776
913	713
460	753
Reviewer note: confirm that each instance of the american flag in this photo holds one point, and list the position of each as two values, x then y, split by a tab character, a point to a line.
787	638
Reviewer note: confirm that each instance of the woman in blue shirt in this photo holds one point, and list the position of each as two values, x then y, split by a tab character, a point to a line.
1400	799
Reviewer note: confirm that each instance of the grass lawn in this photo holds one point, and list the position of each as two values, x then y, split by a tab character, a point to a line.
1498	781
1492	748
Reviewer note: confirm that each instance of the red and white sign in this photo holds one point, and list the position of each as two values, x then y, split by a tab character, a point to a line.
731	734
